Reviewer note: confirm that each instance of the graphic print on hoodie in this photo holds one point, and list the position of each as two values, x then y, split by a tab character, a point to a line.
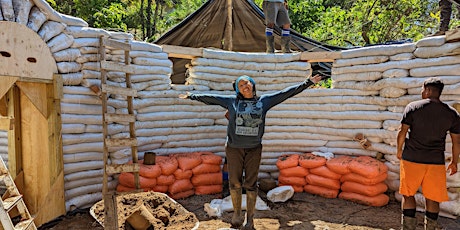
248	117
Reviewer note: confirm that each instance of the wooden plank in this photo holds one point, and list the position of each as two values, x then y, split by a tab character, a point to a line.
120	142
3	106
41	158
6	83
116	44
24	53
119	90
115	66
122	168
5	123
110	211
453	35
182	52
320	56
14	135
37	94
112	117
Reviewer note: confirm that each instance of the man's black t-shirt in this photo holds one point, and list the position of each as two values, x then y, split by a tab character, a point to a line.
429	123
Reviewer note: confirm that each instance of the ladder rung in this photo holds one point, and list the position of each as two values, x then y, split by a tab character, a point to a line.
111	117
10	202
122	168
119	90
115	66
118	142
25	224
116	44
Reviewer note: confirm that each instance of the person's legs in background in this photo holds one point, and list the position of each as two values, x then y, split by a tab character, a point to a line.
445	7
270	17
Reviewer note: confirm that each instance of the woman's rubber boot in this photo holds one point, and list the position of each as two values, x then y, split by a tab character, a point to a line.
251	198
270	43
431	224
237	219
408	223
286	44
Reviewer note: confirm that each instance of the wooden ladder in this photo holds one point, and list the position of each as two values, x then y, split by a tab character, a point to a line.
13	199
110	201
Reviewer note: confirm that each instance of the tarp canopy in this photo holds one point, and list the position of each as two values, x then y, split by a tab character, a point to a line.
207	27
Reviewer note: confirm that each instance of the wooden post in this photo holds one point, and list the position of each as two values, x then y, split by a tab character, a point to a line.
229	29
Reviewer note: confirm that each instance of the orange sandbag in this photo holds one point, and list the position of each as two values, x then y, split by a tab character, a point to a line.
292	180
322	181
310	160
208	189
295	187
364	180
321	191
206	168
377	201
324	171
187	161
367	166
122	188
180	174
180	186
166	180
297	171
182	195
127	179
339	164
368	190
207	179
168	164
287	161
149	171
210	158
160	188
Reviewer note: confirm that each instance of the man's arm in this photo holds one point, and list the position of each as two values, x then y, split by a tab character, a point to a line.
401	138
455	153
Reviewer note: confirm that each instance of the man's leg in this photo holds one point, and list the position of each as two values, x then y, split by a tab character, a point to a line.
408	205
431	214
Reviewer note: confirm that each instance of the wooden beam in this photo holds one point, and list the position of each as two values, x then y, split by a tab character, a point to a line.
36	92
6	83
5	123
3	106
14	136
320	56
182	52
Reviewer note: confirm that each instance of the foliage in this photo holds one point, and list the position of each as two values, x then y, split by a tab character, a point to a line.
335	22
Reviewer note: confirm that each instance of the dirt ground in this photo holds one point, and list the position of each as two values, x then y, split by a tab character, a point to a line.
303	211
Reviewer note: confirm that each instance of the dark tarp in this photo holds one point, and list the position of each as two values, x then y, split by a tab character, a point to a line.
207	26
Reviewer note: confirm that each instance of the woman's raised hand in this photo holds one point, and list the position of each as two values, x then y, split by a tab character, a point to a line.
315	79
184	96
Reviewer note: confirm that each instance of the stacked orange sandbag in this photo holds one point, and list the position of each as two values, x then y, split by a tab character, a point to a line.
291	173
207	176
148	175
156	177
321	180
182	186
364	183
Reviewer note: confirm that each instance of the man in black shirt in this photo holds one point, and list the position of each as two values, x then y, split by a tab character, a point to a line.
422	160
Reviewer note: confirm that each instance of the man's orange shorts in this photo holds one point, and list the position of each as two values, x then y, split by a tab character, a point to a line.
431	177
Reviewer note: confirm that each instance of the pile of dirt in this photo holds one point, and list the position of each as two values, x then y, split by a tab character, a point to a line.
148	209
